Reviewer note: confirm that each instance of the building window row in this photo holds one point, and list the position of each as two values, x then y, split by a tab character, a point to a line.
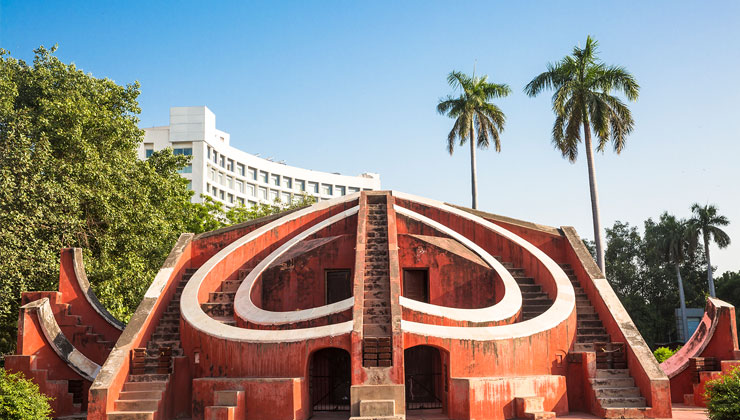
264	177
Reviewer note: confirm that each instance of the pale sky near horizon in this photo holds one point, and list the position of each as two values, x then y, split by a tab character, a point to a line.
352	87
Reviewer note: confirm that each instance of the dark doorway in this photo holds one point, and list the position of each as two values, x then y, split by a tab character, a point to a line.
425	381
329	380
416	284
338	285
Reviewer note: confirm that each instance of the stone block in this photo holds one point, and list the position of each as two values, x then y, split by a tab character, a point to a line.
376	408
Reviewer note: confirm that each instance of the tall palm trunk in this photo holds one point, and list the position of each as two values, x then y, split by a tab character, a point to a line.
598	239
710	278
684	321
473	173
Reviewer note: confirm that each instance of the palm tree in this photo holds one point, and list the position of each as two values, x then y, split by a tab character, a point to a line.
473	112
583	99
673	245
707	222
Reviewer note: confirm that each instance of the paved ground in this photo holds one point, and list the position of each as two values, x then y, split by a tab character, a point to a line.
680	412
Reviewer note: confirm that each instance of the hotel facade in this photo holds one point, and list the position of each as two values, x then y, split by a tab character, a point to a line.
234	177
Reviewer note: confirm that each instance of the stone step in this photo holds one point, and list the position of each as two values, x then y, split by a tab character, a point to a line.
603	392
590	323
530	288
165	337
376	319
136	405
141	395
542	299
591	331
370	287
131	415
585	310
221	297
149	377
376	303
626	412
612	373
524	280
587	317
379	310
592	338
376	330
230	285
378	294
621	402
612	382
153	386
218	309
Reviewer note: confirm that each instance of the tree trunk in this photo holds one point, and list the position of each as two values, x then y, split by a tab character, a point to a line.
473	173
684	321
710	278
598	239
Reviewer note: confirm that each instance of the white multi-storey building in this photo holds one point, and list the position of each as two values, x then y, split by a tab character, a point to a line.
234	177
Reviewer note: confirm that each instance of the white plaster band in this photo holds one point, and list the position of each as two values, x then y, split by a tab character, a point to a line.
504	310
245	308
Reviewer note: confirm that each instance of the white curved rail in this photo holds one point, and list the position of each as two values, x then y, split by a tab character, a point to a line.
245	308
560	310
505	309
193	314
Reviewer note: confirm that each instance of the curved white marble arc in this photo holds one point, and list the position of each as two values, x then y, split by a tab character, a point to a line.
193	314
561	309
505	309
248	311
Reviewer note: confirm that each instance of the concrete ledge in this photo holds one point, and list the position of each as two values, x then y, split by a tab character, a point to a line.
59	342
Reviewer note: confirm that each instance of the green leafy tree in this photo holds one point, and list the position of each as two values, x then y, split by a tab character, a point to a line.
20	398
70	176
706	222
583	100
474	113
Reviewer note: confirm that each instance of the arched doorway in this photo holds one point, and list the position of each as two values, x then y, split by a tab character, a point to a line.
330	379
426	378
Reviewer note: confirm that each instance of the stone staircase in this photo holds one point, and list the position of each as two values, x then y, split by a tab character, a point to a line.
84	337
613	387
141	398
534	300
220	305
377	304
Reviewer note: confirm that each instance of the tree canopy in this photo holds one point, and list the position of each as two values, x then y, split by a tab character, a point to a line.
70	177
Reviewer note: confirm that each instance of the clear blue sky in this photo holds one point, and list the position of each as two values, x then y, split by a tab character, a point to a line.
352	87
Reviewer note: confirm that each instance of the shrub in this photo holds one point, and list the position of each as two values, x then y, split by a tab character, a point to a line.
723	396
20	399
663	353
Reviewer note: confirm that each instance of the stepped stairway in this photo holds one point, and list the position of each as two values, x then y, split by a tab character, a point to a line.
220	305
614	388
141	398
84	337
534	300
377	304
